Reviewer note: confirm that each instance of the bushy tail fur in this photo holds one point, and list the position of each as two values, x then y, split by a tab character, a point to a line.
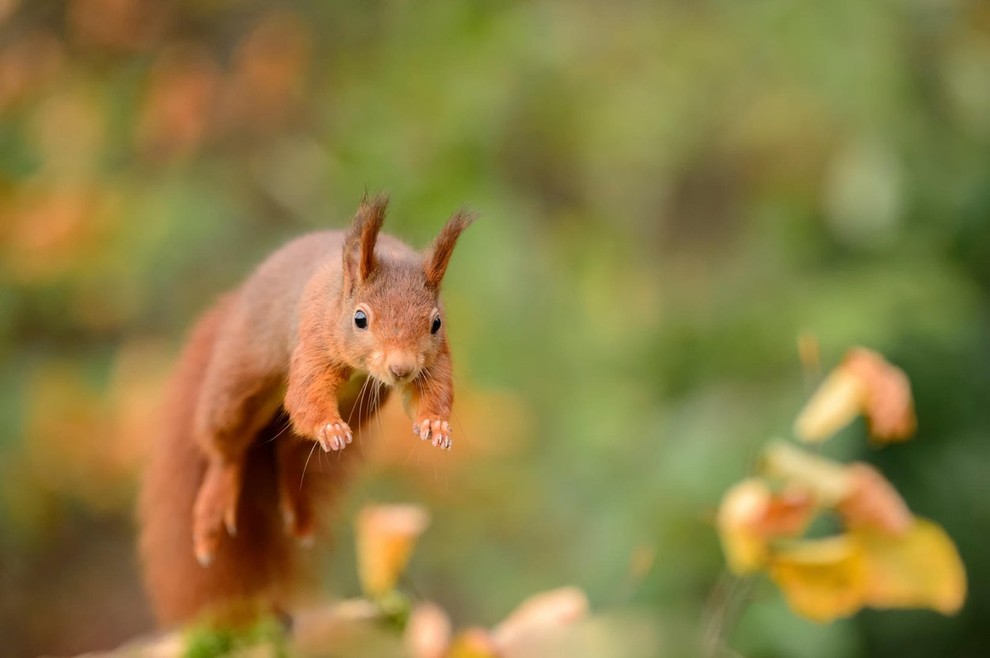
259	568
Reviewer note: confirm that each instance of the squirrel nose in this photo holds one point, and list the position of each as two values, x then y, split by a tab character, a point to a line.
400	370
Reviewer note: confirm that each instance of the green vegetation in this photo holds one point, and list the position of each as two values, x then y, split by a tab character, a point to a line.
211	643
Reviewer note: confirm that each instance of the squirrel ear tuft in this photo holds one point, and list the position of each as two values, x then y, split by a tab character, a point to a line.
438	255
359	245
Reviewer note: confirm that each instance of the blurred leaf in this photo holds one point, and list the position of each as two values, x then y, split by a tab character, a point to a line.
428	631
739	514
888	403
863	383
920	569
540	614
873	503
386	536
834	405
823	579
825	479
751	515
473	643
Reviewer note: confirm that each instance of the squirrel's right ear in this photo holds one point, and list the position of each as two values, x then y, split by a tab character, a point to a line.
359	245
438	255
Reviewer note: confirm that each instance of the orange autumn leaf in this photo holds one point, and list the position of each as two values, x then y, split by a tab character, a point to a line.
538	614
822	579
386	536
473	643
751	514
428	632
873	502
886	558
788	512
858	491
888	404
864	383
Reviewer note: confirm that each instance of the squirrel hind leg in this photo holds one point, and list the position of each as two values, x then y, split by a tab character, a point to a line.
253	573
295	500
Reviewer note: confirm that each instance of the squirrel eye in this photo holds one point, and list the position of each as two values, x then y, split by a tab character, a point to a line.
436	325
360	319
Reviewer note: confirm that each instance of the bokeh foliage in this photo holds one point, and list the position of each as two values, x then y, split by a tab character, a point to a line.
671	192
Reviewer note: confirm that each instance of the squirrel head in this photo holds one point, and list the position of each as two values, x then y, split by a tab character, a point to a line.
392	322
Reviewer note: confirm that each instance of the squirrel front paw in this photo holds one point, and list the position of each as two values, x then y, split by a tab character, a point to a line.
334	435
435	430
215	509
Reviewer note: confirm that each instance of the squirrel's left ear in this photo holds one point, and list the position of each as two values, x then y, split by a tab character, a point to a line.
438	255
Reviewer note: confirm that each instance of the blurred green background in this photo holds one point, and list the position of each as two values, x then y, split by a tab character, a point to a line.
671	192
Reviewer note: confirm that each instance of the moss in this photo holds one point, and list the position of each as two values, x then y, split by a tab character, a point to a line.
209	642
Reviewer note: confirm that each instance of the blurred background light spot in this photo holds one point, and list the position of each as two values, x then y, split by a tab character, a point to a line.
863	195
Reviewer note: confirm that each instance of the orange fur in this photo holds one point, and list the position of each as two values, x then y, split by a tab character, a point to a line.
261	378
443	246
359	245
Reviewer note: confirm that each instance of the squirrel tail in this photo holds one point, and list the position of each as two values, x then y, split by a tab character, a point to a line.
245	572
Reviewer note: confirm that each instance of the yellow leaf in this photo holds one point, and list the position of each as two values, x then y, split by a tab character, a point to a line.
833	406
741	508
386	536
473	643
827	480
921	569
822	579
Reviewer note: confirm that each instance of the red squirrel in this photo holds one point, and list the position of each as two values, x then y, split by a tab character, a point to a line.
320	333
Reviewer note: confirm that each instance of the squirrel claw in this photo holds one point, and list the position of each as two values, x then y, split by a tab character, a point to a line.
434	430
215	510
204	557
298	521
334	436
230	521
